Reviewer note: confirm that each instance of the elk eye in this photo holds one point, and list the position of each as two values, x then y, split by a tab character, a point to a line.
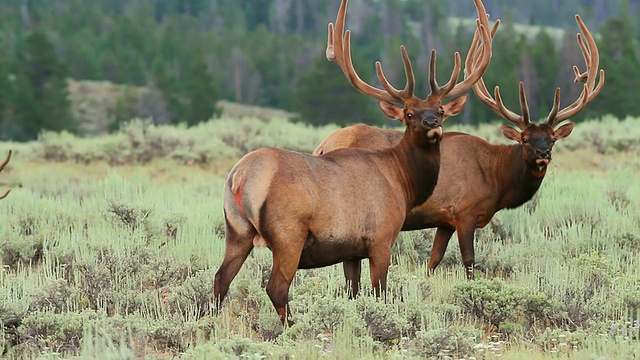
409	116
524	140
442	112
553	139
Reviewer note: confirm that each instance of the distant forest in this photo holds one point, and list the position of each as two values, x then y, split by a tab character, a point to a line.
191	53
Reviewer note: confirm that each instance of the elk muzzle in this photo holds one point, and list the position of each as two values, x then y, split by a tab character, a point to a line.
543	156
430	122
431	125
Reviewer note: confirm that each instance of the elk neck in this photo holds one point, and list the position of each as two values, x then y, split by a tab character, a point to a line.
416	163
516	180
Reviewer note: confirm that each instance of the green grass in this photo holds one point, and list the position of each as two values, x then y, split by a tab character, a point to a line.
117	261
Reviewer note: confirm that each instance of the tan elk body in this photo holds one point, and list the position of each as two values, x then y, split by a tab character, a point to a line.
478	178
314	211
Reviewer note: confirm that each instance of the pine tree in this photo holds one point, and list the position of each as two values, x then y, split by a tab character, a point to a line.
42	89
618	58
169	90
124	110
325	96
28	118
6	96
545	62
201	92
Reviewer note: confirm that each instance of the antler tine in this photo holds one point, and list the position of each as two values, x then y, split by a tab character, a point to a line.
407	92
473	60
339	51
571	110
444	90
523	105
556	105
591	55
496	104
433	83
480	65
4	163
522	121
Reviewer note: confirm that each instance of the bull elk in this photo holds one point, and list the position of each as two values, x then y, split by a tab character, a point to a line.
477	178
315	211
4	163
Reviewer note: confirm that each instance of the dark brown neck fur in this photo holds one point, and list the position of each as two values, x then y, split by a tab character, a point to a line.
517	181
417	163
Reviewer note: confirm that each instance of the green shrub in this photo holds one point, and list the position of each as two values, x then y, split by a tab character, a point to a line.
383	320
496	302
450	342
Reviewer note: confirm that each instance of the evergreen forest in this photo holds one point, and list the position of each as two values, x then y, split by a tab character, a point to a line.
189	54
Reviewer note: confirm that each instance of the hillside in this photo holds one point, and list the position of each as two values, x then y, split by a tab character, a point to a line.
93	102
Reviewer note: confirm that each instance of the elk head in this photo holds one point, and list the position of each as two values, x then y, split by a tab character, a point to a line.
4	163
422	115
537	140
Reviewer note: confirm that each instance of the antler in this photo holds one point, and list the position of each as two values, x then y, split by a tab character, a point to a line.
4	163
591	89
339	51
556	116
496	104
480	63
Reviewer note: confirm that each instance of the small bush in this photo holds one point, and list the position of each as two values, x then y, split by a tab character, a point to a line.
22	251
130	216
383	320
496	303
194	294
450	342
62	332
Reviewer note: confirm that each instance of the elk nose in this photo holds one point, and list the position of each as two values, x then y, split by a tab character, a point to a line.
430	121
543	154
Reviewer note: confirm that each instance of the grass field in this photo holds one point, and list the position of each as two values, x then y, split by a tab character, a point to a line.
109	247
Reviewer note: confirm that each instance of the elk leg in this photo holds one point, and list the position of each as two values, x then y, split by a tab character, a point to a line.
286	257
352	274
440	242
236	252
465	241
379	266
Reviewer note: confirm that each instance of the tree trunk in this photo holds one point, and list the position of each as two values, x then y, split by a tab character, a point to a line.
26	16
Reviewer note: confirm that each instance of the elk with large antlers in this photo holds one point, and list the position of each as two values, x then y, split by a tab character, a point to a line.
477	178
314	211
4	163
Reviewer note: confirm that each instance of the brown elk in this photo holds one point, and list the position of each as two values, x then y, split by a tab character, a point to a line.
477	178
315	211
4	163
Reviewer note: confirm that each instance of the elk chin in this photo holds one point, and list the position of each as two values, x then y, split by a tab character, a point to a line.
434	134
541	164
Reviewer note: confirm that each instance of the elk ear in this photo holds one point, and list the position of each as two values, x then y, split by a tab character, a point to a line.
511	133
391	110
563	131
455	106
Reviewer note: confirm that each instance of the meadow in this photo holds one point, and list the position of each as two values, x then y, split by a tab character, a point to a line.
109	247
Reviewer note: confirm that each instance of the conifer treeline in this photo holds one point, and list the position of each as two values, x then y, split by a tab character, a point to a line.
271	53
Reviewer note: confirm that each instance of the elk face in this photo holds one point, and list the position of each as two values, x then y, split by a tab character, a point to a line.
424	116
421	116
537	141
